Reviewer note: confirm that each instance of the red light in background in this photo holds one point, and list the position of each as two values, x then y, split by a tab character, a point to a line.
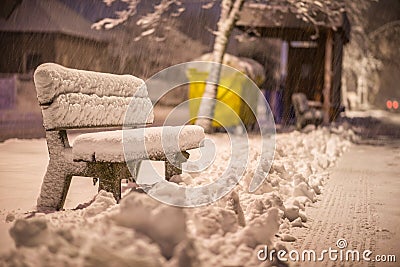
389	104
395	104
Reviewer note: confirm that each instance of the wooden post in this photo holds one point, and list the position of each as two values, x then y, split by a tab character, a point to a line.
328	76
337	61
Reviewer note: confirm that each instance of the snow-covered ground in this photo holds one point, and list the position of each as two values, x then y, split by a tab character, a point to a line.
143	232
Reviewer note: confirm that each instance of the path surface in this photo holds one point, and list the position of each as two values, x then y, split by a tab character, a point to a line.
360	203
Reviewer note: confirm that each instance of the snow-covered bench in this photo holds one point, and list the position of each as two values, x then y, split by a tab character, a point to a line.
306	112
74	99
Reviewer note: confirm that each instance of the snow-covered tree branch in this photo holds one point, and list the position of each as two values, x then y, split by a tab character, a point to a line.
147	22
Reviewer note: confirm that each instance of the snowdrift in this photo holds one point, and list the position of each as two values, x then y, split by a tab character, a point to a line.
143	232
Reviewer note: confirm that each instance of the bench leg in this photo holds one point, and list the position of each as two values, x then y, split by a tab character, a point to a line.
173	164
299	125
59	172
110	176
109	179
110	184
54	188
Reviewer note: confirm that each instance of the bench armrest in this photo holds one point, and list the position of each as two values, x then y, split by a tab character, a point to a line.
315	104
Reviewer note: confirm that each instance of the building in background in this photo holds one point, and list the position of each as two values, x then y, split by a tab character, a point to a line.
33	32
40	31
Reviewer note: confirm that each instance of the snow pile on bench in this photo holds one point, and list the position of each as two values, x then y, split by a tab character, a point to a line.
52	80
72	98
139	143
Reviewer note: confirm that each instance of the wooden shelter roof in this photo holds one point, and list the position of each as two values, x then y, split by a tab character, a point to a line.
281	21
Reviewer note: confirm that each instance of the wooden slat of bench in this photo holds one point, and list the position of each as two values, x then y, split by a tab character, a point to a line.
80	111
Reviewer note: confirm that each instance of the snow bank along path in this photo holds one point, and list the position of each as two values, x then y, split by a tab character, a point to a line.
143	232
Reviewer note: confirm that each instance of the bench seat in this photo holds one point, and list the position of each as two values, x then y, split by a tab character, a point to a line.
313	115
146	143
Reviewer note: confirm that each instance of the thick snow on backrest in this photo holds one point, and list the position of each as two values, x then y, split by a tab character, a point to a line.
72	98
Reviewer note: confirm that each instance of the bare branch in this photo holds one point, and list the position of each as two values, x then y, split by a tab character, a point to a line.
122	16
209	5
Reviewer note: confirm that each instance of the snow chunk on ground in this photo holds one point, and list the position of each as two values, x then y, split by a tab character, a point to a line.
165	225
214	220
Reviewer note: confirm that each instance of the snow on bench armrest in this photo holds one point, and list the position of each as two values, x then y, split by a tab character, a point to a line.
140	143
52	80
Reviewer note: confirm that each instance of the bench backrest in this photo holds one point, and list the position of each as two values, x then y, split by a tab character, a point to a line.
72	98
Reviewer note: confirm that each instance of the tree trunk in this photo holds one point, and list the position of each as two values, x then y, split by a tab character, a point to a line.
229	15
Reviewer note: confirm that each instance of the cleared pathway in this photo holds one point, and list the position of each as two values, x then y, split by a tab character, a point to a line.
360	204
